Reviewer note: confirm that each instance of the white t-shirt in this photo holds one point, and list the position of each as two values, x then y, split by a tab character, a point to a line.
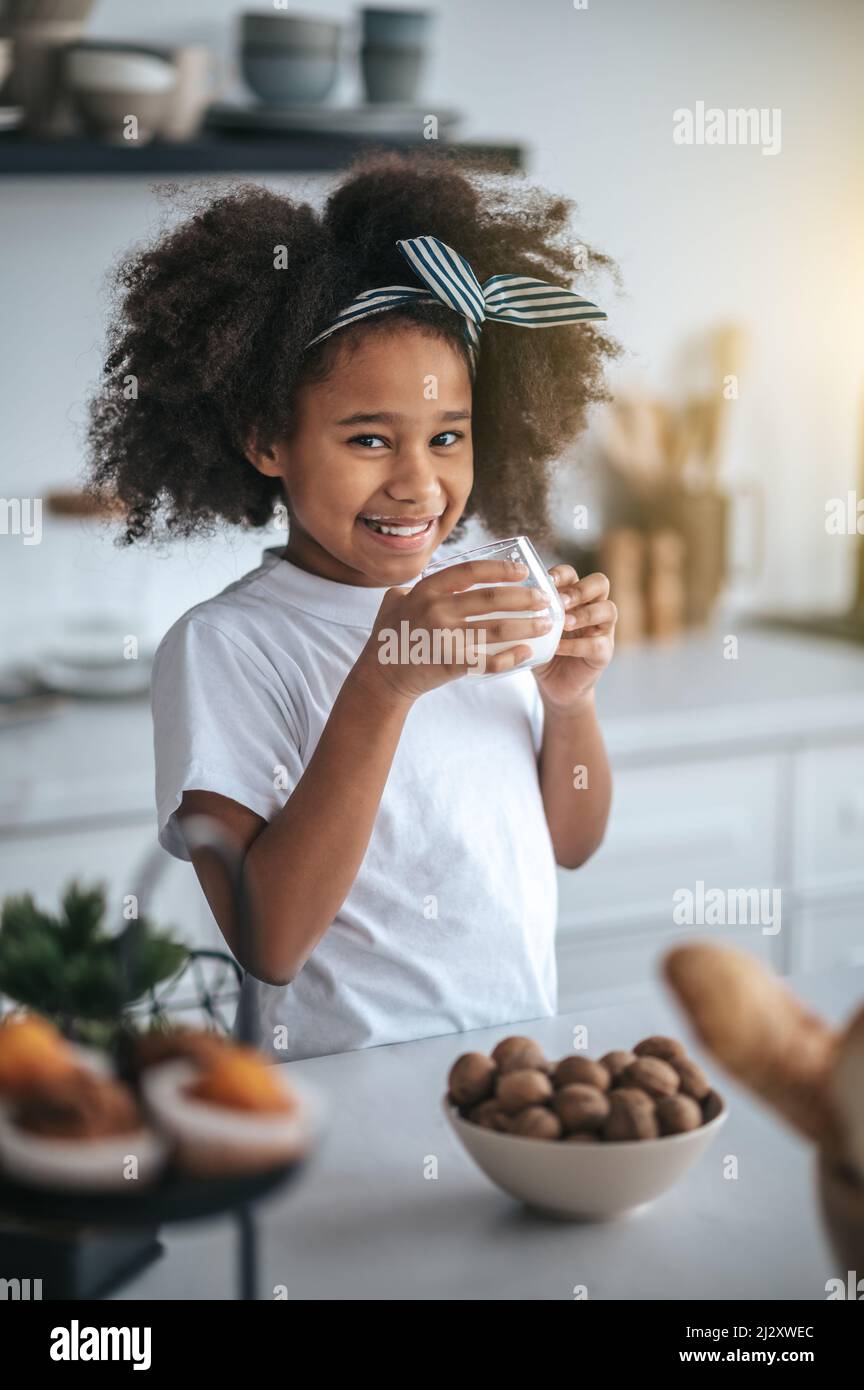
450	922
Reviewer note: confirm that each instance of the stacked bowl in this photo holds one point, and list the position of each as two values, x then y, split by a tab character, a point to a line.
392	52
289	59
110	84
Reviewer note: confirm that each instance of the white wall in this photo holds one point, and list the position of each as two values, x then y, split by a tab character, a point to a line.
701	233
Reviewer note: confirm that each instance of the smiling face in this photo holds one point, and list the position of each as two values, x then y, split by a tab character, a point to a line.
377	475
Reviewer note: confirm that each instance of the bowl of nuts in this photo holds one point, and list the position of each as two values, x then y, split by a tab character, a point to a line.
582	1139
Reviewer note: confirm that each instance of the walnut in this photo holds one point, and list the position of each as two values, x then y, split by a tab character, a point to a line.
632	1115
571	1070
693	1080
472	1078
489	1115
536	1122
632	1096
519	1054
676	1114
653	1075
712	1106
665	1048
616	1061
580	1107
518	1089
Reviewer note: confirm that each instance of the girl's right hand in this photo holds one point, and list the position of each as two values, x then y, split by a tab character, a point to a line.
432	623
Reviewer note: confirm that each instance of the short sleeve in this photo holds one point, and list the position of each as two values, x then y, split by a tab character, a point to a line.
223	721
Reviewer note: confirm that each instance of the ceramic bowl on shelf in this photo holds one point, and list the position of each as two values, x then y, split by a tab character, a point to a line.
583	1182
290	31
92	68
106	86
395	28
389	73
285	75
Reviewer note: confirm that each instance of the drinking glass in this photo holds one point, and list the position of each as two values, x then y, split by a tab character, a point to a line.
519	550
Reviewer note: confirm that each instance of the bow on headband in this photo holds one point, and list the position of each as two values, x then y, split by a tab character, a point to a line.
450	281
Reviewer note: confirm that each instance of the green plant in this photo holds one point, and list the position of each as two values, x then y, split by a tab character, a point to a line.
68	968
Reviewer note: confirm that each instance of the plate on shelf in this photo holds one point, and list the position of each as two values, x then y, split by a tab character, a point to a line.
374	118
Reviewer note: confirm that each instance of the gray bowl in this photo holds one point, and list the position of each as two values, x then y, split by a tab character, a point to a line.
281	76
396	28
391	74
289	31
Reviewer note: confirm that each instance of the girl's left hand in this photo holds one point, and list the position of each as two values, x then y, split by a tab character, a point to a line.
587	641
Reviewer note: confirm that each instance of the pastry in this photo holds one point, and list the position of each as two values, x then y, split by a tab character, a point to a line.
32	1051
236	1114
171	1044
79	1131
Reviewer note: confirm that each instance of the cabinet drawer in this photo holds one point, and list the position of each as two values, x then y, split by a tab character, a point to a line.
670	827
829	934
829	816
618	960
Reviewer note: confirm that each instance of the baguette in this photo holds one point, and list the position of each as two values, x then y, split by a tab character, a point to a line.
759	1032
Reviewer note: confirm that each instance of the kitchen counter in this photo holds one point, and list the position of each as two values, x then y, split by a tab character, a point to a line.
365	1223
656	700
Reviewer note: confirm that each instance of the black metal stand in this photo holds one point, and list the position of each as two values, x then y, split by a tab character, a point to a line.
86	1245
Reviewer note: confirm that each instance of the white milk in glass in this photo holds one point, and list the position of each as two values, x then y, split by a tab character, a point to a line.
517	549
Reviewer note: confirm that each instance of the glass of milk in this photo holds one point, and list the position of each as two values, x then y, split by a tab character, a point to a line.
519	550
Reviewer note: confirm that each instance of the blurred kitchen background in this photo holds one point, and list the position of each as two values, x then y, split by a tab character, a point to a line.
719	489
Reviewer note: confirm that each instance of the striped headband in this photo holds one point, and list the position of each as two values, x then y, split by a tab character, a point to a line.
450	281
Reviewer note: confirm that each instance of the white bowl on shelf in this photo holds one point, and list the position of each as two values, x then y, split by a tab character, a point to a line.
112	70
583	1182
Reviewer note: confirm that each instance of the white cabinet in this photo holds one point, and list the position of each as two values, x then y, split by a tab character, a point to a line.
790	818
617	961
830	932
711	820
829	817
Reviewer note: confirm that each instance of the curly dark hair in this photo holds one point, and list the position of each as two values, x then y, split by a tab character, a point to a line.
212	334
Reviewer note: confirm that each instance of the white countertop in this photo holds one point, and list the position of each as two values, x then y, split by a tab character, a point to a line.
364	1223
94	761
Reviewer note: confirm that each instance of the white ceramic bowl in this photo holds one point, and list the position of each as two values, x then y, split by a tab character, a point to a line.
588	1182
112	70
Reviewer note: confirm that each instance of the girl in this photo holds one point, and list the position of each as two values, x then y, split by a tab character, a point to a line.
400	824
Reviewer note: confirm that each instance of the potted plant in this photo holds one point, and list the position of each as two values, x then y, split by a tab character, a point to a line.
70	969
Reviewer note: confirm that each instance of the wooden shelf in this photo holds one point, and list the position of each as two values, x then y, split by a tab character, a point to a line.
219	154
